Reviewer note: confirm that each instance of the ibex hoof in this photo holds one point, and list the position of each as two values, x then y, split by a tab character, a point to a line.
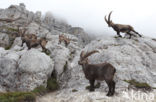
91	90
110	94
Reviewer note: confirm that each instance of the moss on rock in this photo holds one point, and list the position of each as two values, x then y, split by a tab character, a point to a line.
52	85
138	84
74	90
17	97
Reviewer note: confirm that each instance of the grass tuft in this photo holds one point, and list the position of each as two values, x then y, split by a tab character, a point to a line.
138	84
17	97
52	85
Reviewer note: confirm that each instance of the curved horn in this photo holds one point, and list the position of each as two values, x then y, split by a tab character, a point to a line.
106	20
109	16
90	53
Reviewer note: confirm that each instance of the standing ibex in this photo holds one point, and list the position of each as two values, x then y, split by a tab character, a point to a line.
120	27
103	71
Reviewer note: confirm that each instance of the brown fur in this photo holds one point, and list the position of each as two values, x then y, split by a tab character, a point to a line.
43	43
31	40
102	71
120	27
65	39
35	42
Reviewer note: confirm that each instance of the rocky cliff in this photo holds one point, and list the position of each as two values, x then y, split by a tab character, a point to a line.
23	70
134	59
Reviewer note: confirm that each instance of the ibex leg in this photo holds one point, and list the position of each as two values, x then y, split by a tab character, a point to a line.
136	33
91	85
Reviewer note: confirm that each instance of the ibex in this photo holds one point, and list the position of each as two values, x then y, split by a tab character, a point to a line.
65	39
35	42
120	27
31	40
30	37
102	71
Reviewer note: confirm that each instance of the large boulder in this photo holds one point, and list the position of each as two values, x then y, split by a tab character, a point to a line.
8	69
24	70
34	69
8	73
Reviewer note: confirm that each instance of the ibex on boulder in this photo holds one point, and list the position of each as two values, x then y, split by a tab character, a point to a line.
35	42
120	27
31	40
102	71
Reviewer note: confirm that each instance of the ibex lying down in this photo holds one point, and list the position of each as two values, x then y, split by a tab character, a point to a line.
103	71
31	39
120	27
35	42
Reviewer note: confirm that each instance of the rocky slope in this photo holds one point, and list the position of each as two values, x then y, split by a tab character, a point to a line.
134	59
23	70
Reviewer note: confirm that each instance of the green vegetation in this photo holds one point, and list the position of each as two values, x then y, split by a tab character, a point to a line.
138	84
40	90
12	29
8	47
11	41
47	52
17	97
52	85
74	90
116	37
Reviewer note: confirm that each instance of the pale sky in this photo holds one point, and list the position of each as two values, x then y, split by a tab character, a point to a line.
89	14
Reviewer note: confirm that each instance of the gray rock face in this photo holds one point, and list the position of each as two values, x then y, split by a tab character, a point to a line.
17	42
34	69
81	34
60	53
75	30
24	70
132	58
8	73
4	40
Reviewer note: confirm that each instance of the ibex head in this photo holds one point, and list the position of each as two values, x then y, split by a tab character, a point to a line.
84	57
108	21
